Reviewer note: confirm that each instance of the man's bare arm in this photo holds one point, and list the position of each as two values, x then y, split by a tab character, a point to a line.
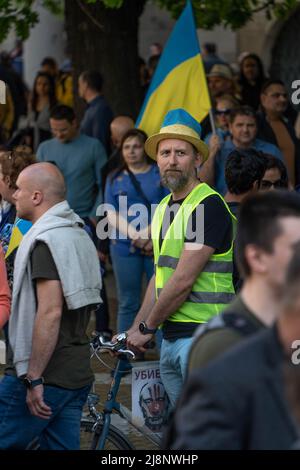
180	284
207	170
175	292
147	305
44	340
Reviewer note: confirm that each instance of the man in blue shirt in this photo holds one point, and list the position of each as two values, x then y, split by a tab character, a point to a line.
80	159
98	115
243	129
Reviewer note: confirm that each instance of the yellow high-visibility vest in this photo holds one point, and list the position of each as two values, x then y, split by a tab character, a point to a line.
213	288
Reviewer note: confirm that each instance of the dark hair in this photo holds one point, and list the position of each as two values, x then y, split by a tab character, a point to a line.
273	162
134	133
153	61
5	59
242	111
261	74
243	168
93	79
270	82
210	47
259	222
52	95
142	136
62	111
49	61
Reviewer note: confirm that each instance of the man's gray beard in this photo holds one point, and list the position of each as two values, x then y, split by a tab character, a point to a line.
175	184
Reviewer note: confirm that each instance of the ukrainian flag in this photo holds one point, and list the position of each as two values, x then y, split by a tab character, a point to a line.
20	228
179	80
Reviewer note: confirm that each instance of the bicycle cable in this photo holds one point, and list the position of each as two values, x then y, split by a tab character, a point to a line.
101	360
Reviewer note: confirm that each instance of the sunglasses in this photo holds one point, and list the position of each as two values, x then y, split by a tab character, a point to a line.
266	184
219	112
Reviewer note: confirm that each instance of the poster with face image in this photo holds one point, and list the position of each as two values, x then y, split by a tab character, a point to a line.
150	403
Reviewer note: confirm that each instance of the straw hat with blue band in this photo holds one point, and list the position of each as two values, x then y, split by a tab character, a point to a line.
178	124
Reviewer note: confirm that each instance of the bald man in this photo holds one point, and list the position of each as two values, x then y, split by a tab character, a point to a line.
118	128
56	285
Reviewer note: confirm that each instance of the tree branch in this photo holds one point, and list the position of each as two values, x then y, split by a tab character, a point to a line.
89	15
263	7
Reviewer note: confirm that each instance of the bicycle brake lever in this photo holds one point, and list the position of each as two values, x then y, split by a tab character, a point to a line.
126	351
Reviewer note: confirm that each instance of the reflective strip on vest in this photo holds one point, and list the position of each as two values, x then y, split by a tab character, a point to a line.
221	267
165	261
208	297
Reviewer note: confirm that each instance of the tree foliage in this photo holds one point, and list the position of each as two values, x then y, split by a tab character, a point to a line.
21	15
231	13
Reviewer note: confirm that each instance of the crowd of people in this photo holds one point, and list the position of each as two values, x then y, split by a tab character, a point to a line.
220	254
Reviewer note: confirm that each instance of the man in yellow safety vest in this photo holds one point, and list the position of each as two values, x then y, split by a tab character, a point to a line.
192	233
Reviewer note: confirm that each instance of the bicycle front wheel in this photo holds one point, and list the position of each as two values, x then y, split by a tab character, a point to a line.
89	439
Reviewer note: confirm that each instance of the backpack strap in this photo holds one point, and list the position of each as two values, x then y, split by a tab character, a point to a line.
243	325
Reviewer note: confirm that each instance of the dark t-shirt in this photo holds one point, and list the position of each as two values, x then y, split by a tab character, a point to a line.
217	230
217	234
69	366
234	207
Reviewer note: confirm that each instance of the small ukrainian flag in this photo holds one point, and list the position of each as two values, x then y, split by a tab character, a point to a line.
20	228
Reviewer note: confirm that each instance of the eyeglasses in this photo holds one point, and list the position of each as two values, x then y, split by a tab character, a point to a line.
266	184
226	112
278	95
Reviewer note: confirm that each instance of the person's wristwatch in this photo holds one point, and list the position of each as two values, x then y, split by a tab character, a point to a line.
145	330
30	383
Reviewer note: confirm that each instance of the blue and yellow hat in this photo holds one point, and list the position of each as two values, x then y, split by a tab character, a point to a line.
178	124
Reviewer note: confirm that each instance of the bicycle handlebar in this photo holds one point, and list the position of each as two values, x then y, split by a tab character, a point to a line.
98	344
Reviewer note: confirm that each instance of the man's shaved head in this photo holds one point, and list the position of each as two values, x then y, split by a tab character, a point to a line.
48	179
39	187
118	128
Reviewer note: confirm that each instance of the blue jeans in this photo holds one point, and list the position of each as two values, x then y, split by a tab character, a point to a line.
18	428
173	366
129	272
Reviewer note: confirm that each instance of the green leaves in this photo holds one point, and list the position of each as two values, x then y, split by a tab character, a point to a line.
108	3
19	15
281	10
230	13
233	14
55	6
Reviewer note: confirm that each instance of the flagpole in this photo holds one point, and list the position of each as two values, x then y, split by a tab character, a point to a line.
212	121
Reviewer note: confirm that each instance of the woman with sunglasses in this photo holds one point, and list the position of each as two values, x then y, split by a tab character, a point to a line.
275	176
224	105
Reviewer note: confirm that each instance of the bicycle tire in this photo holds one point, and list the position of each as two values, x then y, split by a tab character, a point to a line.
89	440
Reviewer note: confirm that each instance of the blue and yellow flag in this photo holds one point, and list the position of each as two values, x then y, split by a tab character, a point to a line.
179	80
20	228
